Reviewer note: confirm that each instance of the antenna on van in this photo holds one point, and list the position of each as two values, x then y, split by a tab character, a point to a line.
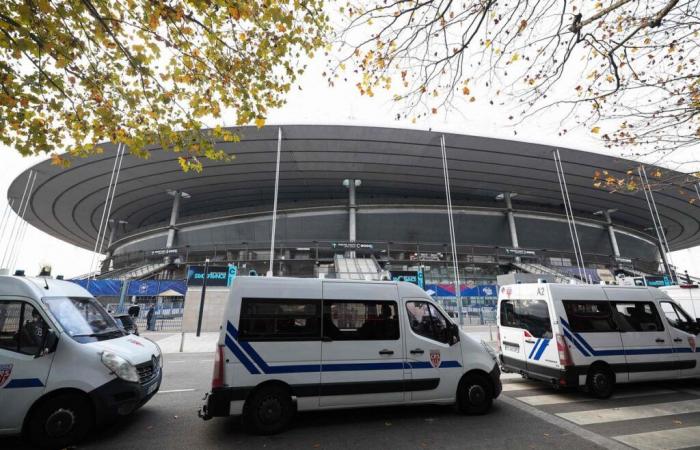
46	284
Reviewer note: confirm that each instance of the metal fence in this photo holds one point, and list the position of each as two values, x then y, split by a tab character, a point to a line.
167	316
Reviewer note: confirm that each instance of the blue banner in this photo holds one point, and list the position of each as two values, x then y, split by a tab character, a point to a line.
138	288
101	288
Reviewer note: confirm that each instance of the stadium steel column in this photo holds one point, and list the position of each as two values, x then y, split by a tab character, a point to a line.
174	213
352	210
611	230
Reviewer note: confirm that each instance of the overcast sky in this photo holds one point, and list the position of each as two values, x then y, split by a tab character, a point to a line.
317	103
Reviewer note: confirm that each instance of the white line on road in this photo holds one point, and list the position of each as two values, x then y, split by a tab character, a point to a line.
632	412
206	360
556	399
175	362
663	440
568	426
176	390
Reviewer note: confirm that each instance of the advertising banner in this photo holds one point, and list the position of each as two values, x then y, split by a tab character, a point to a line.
216	276
410	276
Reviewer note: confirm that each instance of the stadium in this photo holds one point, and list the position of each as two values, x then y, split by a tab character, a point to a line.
356	202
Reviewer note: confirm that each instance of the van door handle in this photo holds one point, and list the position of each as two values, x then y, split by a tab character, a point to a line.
660	340
386	352
678	340
417	351
529	341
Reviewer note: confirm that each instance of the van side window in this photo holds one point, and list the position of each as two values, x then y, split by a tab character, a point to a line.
360	320
676	317
638	316
589	316
22	329
280	320
428	322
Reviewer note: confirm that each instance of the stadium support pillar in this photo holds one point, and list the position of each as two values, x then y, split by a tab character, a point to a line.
611	232
352	210
174	213
511	220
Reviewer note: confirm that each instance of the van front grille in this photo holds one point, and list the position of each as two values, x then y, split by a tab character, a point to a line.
146	372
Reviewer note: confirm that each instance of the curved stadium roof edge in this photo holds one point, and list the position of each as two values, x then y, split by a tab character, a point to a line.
395	165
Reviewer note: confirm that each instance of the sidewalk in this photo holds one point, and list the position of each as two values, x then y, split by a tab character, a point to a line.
206	343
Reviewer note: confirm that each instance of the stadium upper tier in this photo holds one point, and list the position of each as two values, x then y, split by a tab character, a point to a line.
398	168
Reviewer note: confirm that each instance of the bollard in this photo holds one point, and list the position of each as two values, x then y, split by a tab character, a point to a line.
182	341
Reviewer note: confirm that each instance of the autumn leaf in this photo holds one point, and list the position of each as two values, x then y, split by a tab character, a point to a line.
595	130
465	90
260	122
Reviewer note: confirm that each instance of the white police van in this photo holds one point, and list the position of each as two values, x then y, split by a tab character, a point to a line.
595	335
65	365
291	344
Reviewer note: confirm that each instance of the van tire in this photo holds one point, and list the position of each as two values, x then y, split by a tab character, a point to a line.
269	410
474	394
600	381
48	423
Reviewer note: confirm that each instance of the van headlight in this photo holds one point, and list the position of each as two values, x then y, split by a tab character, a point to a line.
120	367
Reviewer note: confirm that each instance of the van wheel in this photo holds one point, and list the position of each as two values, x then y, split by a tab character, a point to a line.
600	382
269	410
59	421
474	394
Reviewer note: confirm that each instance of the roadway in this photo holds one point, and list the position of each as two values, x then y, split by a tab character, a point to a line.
527	416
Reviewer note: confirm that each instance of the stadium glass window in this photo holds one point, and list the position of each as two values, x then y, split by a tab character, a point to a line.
280	320
589	316
637	316
360	321
428	322
22	329
531	315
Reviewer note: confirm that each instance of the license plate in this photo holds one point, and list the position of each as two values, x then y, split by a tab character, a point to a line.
511	348
151	389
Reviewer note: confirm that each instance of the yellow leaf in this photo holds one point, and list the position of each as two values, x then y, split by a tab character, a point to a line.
595	130
465	90
260	122
515	57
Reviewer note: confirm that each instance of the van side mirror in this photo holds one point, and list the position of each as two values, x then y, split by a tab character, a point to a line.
454	331
49	345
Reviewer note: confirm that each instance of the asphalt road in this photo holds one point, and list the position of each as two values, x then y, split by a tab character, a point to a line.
526	417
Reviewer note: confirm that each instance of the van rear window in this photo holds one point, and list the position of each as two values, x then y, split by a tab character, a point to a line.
280	320
531	315
589	316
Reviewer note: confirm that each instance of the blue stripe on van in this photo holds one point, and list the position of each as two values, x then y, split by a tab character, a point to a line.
621	351
583	351
540	351
534	347
246	350
240	355
17	383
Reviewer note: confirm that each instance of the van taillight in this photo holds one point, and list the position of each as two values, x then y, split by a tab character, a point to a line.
217	379
564	353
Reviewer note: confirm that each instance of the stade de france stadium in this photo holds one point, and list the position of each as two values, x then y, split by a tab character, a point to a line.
508	209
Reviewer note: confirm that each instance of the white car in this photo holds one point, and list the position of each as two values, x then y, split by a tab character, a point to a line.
65	365
594	335
291	344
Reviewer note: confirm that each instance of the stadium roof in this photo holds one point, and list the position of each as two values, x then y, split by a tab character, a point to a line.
392	163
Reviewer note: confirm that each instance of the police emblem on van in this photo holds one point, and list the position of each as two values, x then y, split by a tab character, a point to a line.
435	358
5	372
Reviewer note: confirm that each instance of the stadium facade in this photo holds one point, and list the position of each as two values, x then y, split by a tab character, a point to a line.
359	200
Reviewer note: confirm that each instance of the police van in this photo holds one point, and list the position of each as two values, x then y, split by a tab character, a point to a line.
291	345
65	365
594	335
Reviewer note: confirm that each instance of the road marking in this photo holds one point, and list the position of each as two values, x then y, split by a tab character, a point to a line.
522	386
556	399
568	426
175	390
632	412
663	440
174	362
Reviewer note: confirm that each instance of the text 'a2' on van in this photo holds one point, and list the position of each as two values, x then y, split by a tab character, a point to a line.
65	365
290	345
595	336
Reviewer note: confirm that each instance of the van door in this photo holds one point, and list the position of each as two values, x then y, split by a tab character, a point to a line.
24	370
540	348
362	351
433	353
512	336
682	330
647	344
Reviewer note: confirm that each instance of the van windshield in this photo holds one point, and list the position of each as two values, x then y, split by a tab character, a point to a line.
84	319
